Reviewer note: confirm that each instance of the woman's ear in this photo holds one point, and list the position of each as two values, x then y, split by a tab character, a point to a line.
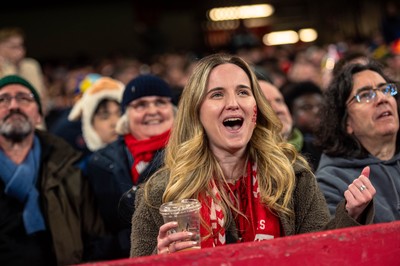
349	128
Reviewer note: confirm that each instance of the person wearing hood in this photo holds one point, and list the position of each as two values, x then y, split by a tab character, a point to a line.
99	110
361	128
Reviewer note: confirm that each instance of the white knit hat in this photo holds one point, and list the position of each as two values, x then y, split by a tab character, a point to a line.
103	88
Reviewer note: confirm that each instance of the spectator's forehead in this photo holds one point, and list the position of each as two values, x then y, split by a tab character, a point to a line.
13	89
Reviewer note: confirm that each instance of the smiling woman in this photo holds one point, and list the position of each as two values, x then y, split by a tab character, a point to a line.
233	106
226	151
115	171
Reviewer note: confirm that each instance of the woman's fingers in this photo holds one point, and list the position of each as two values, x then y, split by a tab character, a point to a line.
166	228
162	239
169	241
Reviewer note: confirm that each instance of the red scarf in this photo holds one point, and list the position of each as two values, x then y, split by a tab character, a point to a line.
143	151
260	224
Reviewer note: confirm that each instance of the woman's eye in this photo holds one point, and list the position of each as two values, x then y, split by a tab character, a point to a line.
140	105
244	92
161	102
216	95
365	95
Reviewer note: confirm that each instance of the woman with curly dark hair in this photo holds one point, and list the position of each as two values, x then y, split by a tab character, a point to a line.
360	128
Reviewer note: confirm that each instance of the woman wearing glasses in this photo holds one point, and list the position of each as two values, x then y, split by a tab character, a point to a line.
116	170
360	128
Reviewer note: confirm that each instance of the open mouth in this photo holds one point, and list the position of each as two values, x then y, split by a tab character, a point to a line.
384	114
233	123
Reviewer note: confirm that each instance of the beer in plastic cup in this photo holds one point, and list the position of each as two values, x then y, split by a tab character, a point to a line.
186	213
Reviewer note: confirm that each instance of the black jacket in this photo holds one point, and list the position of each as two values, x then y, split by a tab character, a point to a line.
109	172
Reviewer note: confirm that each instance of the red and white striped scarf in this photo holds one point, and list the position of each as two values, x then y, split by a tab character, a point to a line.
261	223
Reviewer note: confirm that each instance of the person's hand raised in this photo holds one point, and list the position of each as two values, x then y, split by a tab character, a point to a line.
359	194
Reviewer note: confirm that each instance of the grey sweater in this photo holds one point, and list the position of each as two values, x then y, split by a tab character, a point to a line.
308	205
334	174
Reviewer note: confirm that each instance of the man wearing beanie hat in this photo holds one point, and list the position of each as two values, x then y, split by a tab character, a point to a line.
14	79
46	202
116	170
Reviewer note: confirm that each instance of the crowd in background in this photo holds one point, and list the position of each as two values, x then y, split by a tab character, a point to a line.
285	67
283	64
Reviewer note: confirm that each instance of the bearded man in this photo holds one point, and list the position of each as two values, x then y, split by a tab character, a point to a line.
47	211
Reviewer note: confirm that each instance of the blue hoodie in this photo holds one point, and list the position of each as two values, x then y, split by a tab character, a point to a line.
335	174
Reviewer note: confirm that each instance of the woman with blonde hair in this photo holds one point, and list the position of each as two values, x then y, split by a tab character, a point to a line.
226	151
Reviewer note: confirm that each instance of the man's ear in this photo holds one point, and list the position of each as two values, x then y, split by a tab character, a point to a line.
38	120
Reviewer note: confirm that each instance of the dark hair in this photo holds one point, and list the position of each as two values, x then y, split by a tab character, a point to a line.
102	105
298	89
347	59
332	134
262	73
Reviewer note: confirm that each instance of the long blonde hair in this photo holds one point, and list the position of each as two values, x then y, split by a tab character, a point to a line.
190	163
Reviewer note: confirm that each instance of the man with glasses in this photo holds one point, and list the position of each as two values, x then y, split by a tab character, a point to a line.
46	207
359	129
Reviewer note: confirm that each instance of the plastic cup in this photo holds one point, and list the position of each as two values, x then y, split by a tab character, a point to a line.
186	213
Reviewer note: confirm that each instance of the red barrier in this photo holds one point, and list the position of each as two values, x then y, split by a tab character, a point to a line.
377	244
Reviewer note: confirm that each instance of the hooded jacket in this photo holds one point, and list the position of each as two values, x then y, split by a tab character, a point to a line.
334	175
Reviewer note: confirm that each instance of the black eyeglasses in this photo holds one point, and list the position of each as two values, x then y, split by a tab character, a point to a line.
368	93
21	98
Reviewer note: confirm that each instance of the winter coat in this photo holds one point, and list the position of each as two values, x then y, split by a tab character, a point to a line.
109	172
67	204
308	205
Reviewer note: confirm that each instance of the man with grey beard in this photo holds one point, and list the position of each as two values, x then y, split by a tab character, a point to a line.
47	211
17	131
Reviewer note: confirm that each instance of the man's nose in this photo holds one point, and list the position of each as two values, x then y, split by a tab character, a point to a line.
13	103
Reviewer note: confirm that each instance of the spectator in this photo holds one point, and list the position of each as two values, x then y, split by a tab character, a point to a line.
278	105
225	150
13	61
361	128
99	111
304	100
71	131
116	170
47	209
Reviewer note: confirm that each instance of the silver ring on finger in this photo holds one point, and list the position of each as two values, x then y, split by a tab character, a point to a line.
363	187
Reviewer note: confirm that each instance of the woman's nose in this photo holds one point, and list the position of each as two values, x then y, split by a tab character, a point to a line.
231	102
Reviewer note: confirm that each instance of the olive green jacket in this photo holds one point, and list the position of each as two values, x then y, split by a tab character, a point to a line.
67	201
308	205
